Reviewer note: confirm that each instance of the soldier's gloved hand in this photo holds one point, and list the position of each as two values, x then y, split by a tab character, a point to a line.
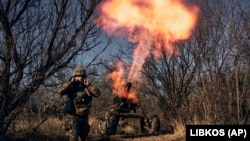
94	91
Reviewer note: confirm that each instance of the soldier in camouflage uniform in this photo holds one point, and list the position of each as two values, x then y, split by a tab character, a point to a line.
78	93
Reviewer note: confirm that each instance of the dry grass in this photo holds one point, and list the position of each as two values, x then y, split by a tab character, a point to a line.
179	135
37	129
52	130
161	138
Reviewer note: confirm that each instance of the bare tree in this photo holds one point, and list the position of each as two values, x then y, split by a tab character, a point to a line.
208	81
38	40
170	80
220	38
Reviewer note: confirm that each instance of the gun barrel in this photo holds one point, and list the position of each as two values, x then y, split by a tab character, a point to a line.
128	86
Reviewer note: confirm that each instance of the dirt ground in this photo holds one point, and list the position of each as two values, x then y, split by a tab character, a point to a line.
162	137
168	137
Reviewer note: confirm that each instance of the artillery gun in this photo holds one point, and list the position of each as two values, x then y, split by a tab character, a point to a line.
118	114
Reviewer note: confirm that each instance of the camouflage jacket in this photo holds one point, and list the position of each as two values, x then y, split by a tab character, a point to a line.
80	94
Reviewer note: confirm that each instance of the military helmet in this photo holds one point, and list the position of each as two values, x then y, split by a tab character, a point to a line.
79	71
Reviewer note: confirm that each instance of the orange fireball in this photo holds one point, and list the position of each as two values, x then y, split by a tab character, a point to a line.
154	25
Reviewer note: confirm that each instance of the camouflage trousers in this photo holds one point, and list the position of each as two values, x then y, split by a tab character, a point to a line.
76	126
